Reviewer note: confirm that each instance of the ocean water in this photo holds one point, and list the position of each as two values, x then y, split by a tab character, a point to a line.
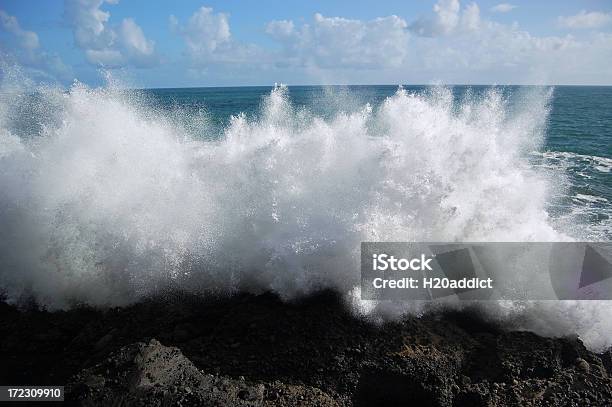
577	146
111	194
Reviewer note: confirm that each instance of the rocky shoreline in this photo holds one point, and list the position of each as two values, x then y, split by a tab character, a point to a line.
257	350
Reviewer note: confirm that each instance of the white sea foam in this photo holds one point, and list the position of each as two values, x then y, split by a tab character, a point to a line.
589	198
105	200
602	164
587	215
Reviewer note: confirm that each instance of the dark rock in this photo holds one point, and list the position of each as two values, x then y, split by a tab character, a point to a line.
582	365
103	342
150	372
258	350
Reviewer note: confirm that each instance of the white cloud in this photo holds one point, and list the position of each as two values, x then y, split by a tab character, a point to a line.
205	31
505	53
453	44
593	19
494	47
336	42
280	28
134	43
447	14
27	52
28	39
88	23
503	8
208	39
448	19
470	19
103	44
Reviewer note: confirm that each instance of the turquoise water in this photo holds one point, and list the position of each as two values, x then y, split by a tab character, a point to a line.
577	147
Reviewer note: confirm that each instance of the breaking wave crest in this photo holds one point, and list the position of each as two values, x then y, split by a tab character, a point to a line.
106	199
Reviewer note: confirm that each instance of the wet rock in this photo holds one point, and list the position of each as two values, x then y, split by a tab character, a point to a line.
180	335
103	342
94	381
582	365
150	372
258	350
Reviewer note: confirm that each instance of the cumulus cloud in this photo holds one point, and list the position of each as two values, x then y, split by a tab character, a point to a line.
447	14
448	19
280	28
593	19
209	40
506	53
26	51
206	31
336	42
454	43
136	47
27	39
470	20
503	8
106	45
494	47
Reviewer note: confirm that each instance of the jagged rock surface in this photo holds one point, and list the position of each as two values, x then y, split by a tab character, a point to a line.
258	350
150	374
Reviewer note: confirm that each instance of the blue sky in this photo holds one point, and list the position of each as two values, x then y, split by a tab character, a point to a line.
219	43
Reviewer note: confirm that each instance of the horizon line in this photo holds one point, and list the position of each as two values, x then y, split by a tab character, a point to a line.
364	85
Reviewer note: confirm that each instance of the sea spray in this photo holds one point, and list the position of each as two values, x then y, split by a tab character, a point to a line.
106	199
